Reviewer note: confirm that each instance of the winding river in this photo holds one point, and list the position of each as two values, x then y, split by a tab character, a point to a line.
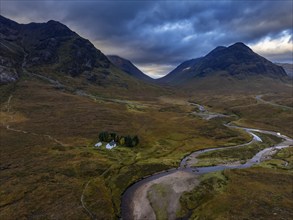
133	208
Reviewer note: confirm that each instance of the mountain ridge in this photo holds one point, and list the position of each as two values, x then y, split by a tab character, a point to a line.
52	49
237	60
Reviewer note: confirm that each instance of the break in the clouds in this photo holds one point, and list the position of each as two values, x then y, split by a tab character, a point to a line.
158	35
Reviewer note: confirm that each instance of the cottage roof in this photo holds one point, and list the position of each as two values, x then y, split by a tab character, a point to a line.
112	143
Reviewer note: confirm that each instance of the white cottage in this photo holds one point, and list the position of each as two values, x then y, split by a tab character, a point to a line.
111	145
99	144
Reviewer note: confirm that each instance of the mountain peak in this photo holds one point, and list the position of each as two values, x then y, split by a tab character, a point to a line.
240	46
220	48
53	22
56	24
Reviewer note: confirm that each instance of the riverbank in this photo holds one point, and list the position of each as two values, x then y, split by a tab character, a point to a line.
146	196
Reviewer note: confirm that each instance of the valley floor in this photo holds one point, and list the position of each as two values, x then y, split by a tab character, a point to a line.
50	170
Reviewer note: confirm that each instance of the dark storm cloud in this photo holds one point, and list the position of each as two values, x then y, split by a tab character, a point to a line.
162	32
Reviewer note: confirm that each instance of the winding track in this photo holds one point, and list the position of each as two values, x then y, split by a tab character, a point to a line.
260	100
129	206
7	126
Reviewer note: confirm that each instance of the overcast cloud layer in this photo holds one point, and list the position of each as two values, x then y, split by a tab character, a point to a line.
159	35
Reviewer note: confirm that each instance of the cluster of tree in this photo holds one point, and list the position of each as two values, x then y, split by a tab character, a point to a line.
128	141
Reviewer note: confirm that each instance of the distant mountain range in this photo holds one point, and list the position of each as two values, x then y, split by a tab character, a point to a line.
128	67
237	60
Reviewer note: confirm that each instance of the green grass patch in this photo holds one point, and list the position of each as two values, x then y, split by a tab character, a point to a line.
283	159
210	185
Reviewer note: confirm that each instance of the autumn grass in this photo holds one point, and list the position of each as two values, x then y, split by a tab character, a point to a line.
266	117
281	99
96	198
41	178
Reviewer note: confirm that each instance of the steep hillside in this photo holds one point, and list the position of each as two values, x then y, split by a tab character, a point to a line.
129	67
237	61
11	53
52	52
180	73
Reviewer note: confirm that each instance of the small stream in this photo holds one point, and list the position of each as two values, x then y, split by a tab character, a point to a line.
127	197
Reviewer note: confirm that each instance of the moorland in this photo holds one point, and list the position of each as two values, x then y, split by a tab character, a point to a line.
52	112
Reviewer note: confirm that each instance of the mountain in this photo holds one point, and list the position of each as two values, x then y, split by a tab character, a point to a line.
237	61
129	67
50	44
288	67
54	54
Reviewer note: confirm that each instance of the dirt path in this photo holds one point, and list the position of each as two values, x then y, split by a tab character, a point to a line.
83	192
83	203
7	126
260	100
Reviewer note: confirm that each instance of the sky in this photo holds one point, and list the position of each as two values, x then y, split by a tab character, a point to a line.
159	35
